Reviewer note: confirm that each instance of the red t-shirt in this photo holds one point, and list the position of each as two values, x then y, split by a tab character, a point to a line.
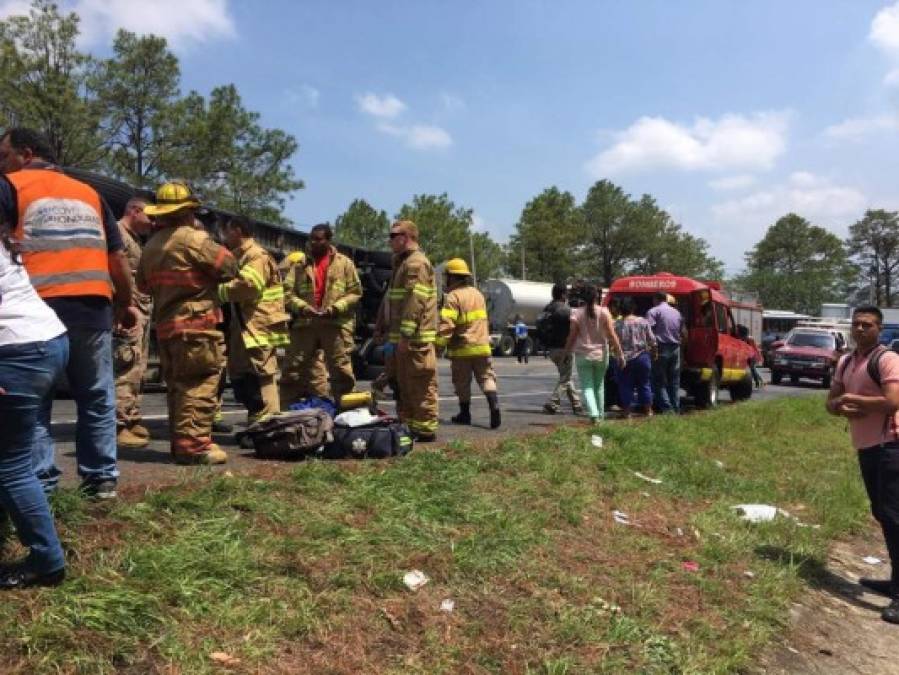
321	274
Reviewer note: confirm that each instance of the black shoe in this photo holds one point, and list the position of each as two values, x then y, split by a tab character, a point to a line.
891	613
101	489
14	579
464	416
881	586
222	427
495	418
245	442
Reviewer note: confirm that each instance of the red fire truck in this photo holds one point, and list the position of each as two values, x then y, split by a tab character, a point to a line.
715	354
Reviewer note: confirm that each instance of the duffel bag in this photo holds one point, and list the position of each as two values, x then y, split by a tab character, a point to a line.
291	434
385	438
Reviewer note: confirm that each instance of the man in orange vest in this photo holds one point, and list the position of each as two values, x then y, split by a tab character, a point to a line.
74	255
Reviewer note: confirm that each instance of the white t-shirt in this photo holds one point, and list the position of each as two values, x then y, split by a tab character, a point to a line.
24	317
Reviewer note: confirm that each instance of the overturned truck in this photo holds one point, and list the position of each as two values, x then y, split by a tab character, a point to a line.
373	266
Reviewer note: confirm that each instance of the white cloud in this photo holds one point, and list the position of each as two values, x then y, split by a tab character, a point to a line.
420	136
731	142
812	197
451	102
181	22
738	182
856	128
384	107
305	95
885	29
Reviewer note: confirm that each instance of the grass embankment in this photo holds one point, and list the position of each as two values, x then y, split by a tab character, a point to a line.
303	573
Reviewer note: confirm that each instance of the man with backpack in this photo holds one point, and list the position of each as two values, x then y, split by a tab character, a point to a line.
865	390
552	331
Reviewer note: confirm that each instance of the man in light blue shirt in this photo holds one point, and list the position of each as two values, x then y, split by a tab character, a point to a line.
667	325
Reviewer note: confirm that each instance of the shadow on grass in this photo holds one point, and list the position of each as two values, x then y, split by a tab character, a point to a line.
814	572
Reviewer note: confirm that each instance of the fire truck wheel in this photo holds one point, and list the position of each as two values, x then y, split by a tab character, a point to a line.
706	393
742	390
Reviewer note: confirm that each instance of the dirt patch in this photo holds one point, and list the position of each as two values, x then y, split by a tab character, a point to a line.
836	626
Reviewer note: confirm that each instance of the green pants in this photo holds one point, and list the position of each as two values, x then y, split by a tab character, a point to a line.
592	375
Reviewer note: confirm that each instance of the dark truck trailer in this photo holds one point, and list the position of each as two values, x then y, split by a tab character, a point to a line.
374	266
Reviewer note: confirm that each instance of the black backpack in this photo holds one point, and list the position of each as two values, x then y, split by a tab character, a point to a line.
385	437
550	331
873	364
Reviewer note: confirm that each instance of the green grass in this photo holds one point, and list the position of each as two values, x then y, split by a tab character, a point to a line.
306	570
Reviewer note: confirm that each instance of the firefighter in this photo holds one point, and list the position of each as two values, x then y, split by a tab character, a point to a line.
131	348
465	332
318	376
322	293
412	330
258	322
181	268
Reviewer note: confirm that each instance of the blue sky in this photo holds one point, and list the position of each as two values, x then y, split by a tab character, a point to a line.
729	113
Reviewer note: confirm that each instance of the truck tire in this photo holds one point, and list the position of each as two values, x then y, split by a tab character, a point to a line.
776	377
506	346
742	390
706	393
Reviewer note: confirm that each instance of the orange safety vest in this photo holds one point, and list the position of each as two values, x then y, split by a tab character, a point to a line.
61	234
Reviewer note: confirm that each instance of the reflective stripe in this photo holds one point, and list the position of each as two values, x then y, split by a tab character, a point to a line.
471	317
469	351
394	337
405	440
223	293
32	245
396	293
441	341
296	304
340	306
449	313
253	277
427	426
271	294
168	329
182	278
68	278
270	340
424	291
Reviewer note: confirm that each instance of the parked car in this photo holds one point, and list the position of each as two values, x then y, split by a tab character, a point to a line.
811	353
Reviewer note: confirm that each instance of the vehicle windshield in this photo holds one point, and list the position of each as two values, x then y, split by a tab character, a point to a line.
811	340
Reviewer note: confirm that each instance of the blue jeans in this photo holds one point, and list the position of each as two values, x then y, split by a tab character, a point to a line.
92	385
592	374
666	378
636	374
28	373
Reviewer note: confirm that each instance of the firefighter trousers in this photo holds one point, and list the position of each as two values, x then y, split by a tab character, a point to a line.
302	374
479	367
252	371
416	375
130	355
191	366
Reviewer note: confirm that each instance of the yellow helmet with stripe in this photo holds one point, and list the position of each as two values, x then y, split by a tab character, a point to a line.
457	267
172	197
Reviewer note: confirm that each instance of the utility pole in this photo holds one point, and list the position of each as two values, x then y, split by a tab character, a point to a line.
474	269
523	271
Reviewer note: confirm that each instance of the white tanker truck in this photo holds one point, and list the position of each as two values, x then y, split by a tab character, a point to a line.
507	298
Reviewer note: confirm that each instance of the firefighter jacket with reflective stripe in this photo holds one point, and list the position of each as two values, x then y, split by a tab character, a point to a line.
60	230
342	290
412	299
258	297
142	301
182	267
464	328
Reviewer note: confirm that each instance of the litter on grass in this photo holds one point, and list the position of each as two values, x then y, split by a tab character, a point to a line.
621	517
596	441
690	566
719	463
448	605
415	579
765	513
871	560
648	479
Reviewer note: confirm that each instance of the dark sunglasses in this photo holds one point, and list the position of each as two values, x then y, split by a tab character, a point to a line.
396	234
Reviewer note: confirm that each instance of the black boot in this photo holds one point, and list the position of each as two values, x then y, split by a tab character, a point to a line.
464	416
493	402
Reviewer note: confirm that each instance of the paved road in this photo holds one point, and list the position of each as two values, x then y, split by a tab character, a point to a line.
523	391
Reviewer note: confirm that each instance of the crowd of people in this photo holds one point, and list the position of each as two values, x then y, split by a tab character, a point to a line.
80	293
642	353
